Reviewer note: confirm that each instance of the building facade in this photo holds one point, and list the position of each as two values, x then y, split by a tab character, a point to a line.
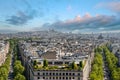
4	49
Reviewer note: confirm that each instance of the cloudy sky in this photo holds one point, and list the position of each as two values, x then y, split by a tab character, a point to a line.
77	16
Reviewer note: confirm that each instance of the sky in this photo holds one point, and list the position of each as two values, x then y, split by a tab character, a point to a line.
77	16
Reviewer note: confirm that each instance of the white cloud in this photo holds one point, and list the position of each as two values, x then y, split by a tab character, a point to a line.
112	6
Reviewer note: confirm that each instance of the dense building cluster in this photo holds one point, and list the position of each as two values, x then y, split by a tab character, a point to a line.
51	55
60	53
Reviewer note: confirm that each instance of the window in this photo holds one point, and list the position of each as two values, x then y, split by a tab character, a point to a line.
69	77
56	73
73	74
53	78
43	73
43	77
50	73
78	73
69	73
53	73
66	62
66	73
38	73
50	77
38	77
46	73
63	77
66	77
73	78
63	73
56	77
46	77
59	62
59	73
49	62
39	62
59	77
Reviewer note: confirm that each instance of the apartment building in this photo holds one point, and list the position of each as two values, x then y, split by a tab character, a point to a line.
61	72
4	49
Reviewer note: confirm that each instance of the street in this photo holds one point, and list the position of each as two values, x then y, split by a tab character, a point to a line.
105	67
11	76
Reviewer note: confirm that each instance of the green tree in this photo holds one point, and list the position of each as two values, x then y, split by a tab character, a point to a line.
81	64
17	62
112	64
1	78
97	65
74	66
93	76
18	69
4	73
19	77
45	63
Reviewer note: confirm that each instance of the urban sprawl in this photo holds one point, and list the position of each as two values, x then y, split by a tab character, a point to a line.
52	55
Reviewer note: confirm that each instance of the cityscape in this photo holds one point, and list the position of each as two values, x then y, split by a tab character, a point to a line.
59	40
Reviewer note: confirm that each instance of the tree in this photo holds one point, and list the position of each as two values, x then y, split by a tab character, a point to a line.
45	63
1	78
81	64
97	65
93	76
115	75
17	62
74	66
3	73
18	69
112	64
19	77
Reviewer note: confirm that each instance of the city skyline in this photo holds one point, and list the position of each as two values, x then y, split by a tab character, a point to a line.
77	16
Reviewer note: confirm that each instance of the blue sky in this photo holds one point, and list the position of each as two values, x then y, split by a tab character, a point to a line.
62	15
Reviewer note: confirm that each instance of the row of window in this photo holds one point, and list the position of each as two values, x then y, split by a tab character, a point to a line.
58	62
59	74
61	78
